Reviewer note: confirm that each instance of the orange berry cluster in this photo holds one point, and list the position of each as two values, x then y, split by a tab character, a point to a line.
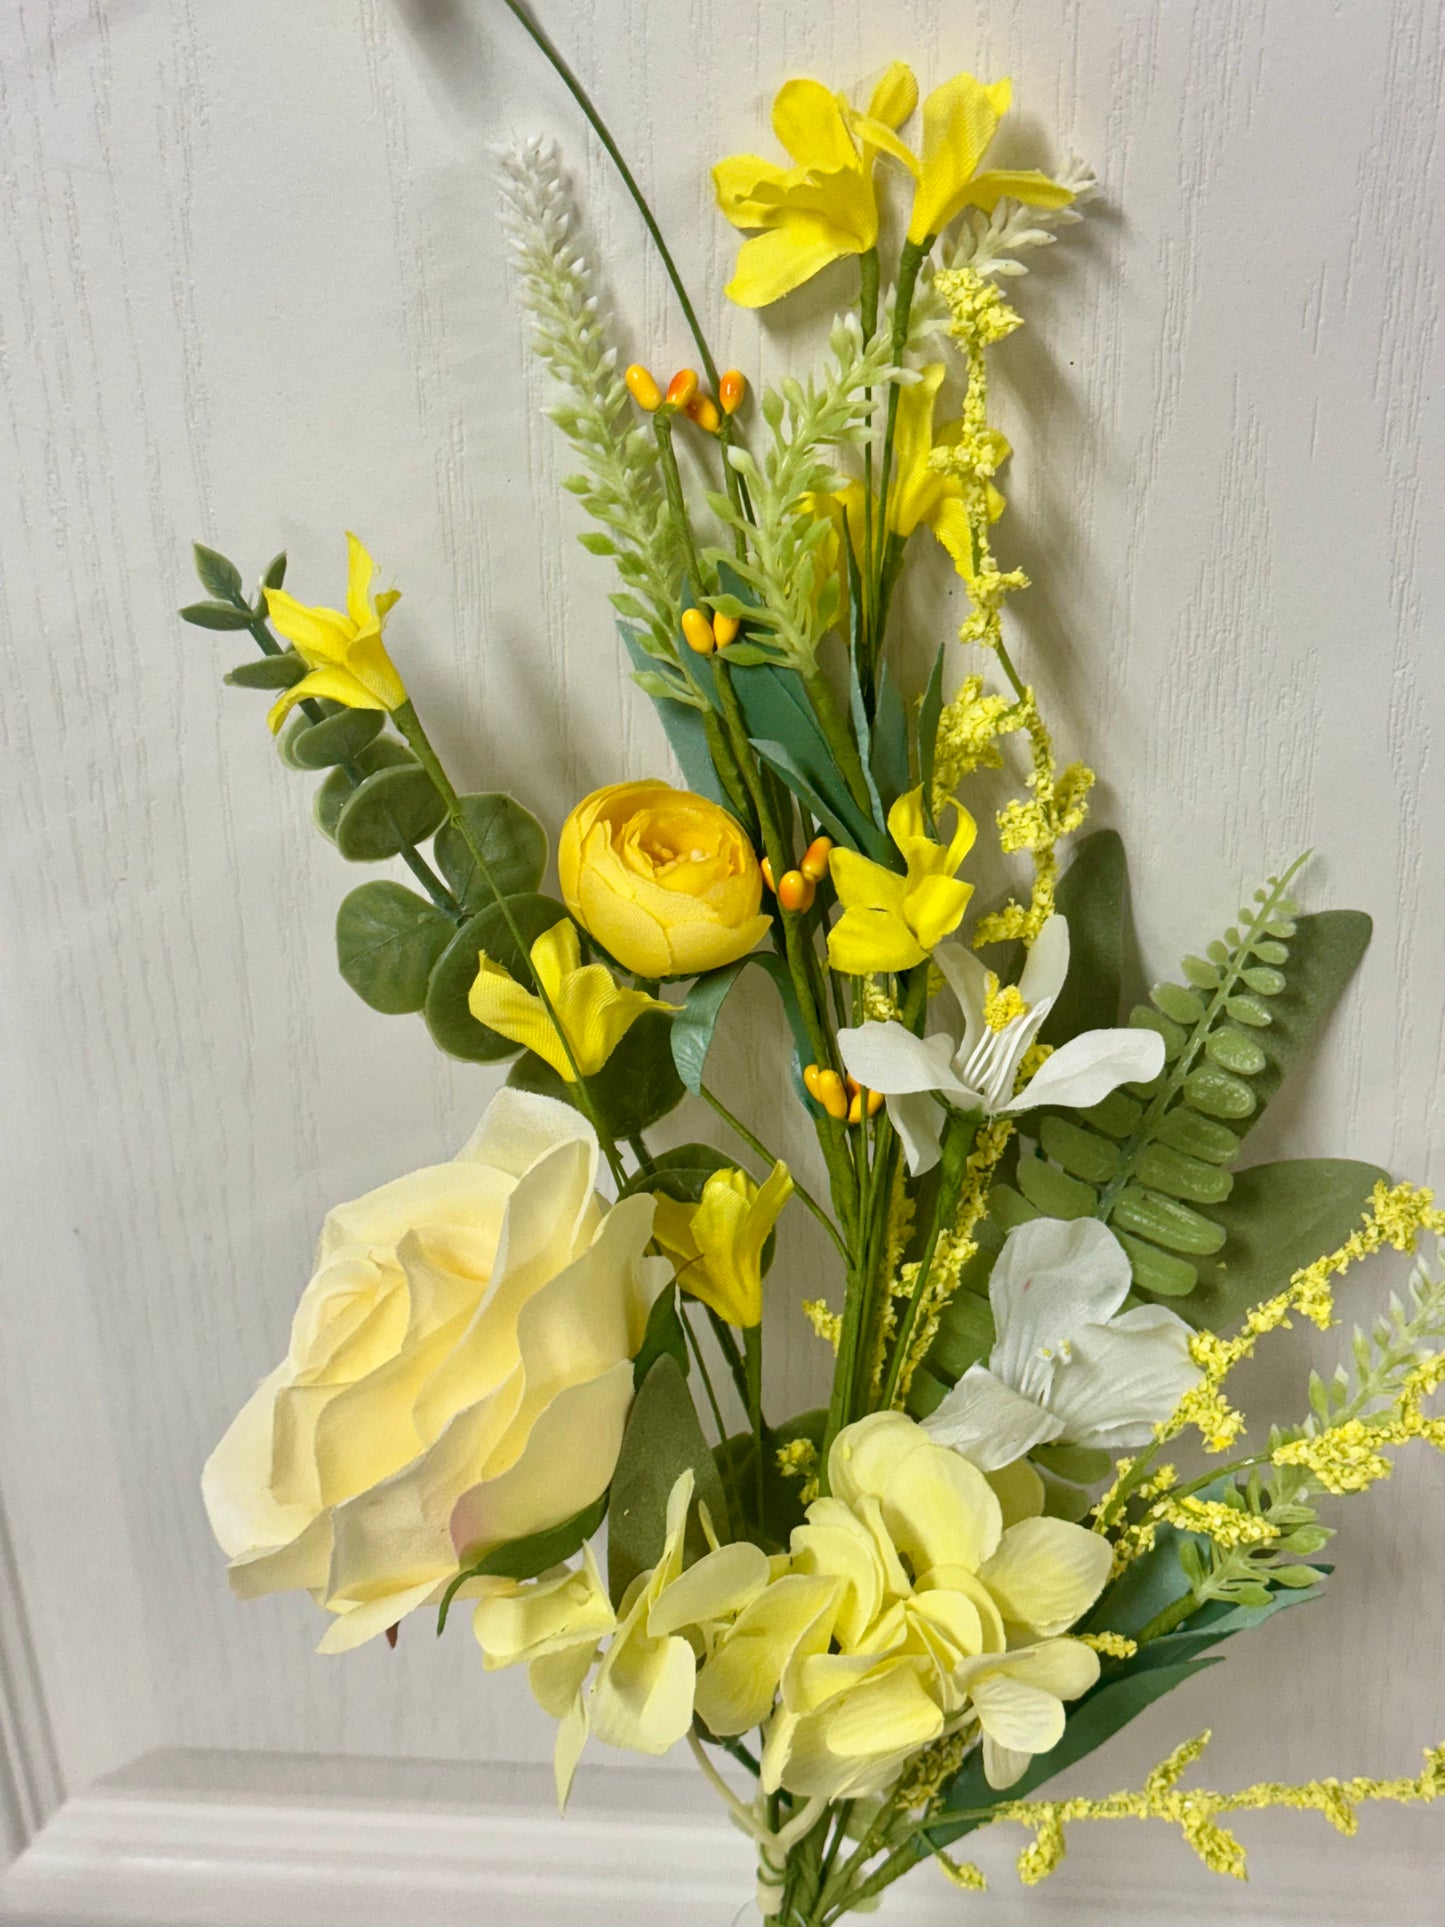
684	396
797	888
842	1098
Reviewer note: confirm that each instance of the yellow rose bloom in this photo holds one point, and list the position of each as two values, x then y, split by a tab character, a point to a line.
345	654
665	881
892	922
459	1374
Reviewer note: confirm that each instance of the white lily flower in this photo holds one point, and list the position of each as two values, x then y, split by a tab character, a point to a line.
1067	1365
999	1025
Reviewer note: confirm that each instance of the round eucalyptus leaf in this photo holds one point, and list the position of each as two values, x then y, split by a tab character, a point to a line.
513	846
635	1087
338	789
387	940
336	739
448	1016
391	809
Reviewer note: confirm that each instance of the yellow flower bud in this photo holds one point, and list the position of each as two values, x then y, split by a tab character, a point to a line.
795	892
666	882
731	390
682	388
643	389
826	1089
815	858
702	409
697	632
767	870
725	628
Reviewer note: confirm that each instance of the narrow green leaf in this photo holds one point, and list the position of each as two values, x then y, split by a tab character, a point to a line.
1117	1115
1159	1273
1199	1137
1083	1154
275	572
663	1440
1218	1094
391	809
219	574
685	728
1051	1192
1193	1179
215	615
1093	895
268	672
929	711
530	1557
664	1333
696	1022
1164	1221
513	845
448	1015
387	940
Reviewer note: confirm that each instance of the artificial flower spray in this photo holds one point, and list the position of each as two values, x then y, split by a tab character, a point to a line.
1027	1510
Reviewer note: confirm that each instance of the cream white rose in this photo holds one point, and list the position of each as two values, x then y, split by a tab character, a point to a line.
458	1376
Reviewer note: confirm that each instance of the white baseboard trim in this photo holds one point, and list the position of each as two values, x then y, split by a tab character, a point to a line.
229	1840
30	1785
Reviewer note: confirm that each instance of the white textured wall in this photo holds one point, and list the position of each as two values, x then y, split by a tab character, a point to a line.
251	289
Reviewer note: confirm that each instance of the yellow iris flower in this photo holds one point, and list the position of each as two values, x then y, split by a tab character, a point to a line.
717	1244
344	653
960	119
595	1013
825	205
892	922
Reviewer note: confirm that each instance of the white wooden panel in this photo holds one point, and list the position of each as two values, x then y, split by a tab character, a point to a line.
251	288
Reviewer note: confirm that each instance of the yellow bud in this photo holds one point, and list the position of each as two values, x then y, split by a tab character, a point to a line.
795	892
731	389
697	632
815	857
682	388
702	409
768	879
831	1095
725	628
643	389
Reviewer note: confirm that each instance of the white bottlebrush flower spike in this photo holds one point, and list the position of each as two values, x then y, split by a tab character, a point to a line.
1067	1364
981	1073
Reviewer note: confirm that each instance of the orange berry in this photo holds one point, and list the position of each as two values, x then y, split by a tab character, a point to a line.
725	628
815	857
767	870
731	389
702	409
682	388
697	632
643	389
831	1095
795	892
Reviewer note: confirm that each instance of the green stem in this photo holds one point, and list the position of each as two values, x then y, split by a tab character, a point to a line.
753	1366
1172	1616
761	1151
410	726
547	46
736	1364
959	1137
692	1339
910	262
840	737
676	500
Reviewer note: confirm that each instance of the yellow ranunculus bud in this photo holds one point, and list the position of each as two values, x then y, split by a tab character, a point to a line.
666	881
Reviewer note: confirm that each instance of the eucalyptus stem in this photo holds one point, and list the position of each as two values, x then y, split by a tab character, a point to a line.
410	726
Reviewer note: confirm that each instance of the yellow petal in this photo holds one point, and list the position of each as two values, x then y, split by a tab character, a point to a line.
772	265
960	118
737	1686
918	487
935	908
320	635
373	668
359	570
896	95
1046	1574
331	684
809	123
876	137
1028	185
497	1000
873	933
737	181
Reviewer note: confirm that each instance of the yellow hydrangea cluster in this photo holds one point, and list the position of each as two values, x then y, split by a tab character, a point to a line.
1196	1812
909	1606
